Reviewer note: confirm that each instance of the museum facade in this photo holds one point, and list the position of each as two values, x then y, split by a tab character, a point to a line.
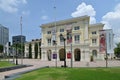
73	38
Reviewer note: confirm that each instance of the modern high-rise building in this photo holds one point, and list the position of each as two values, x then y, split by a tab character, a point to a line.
18	39
75	38
4	35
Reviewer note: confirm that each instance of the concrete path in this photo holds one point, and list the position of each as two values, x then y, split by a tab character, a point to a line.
38	64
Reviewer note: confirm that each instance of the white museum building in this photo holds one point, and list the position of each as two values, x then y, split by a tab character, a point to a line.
75	38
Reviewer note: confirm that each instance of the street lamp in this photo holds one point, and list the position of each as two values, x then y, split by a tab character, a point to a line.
55	43
16	55
64	39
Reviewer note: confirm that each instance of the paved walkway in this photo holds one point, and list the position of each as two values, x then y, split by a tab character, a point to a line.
38	64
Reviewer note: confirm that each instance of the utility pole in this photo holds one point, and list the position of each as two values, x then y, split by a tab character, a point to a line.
21	41
55	34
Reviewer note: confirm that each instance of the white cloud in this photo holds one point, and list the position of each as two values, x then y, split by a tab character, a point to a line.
11	6
112	21
84	9
24	1
25	12
44	17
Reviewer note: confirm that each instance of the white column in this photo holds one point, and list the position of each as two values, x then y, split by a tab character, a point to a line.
58	55
87	56
73	59
86	30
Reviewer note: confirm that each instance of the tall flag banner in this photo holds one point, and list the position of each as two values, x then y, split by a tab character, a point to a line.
102	41
54	35
69	34
109	40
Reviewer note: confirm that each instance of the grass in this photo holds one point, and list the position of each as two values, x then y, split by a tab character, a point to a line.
5	64
73	74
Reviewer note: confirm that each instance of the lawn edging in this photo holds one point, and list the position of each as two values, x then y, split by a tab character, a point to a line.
16	75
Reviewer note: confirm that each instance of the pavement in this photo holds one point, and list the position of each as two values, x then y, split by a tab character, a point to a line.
37	63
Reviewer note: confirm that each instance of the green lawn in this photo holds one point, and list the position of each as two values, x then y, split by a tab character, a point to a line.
5	64
73	74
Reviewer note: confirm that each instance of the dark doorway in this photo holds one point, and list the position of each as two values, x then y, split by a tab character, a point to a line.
61	55
77	54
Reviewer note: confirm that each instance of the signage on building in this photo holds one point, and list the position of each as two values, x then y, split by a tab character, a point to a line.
102	41
69	55
69	33
54	56
109	40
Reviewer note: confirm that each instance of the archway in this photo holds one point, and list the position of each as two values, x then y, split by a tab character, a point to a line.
49	52
77	54
61	55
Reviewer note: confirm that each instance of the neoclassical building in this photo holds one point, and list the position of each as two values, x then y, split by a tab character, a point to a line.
84	40
33	43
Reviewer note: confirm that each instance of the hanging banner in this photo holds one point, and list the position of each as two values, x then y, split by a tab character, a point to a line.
102	41
54	56
69	34
53	30
69	55
53	35
109	40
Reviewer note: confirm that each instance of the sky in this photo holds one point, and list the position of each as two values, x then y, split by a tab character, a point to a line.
37	12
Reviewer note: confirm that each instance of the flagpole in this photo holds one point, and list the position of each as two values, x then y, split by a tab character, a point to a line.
55	34
71	56
106	49
21	40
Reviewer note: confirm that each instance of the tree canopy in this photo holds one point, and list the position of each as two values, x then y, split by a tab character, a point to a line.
117	50
30	51
36	50
1	48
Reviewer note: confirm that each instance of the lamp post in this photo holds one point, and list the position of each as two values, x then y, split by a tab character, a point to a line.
54	43
64	39
16	55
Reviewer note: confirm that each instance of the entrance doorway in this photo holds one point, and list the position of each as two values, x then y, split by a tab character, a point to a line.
77	54
61	55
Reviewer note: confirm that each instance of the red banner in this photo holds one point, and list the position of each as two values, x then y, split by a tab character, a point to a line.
102	41
68	55
69	36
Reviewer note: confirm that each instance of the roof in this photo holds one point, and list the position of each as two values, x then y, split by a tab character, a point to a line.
67	21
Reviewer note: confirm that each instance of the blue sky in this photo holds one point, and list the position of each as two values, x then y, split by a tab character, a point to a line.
37	12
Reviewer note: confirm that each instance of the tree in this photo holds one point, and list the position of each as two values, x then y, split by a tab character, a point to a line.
30	51
117	50
20	48
36	50
1	48
40	49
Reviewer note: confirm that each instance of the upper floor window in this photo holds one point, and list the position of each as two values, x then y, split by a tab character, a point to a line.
76	27
61	30
49	41
61	41
94	41
48	32
77	38
94	32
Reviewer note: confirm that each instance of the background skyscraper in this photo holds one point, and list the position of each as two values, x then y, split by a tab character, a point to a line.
4	35
17	39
